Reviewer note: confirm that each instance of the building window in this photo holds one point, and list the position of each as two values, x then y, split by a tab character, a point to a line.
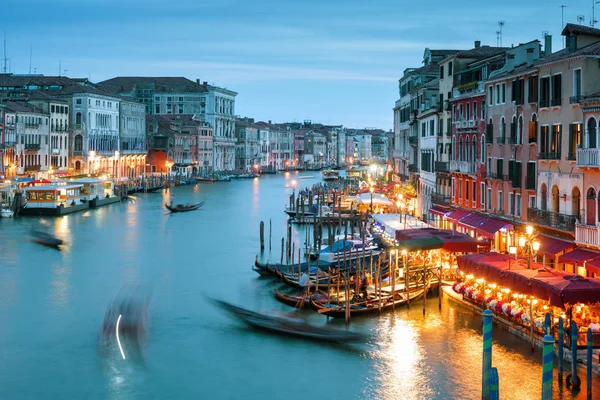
511	204
482	195
518	204
497	94
577	84
532	201
475	194
450	68
556	90
489	198
503	93
475	110
491	95
500	201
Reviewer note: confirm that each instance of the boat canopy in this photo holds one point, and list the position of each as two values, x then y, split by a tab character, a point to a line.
340	245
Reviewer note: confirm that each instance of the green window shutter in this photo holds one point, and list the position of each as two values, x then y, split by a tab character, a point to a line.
571	141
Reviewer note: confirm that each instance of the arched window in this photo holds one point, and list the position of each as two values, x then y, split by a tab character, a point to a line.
483	148
78	145
555	199
513	130
78	118
590	205
467	150
502	130
520	130
460	149
575	202
474	149
591	128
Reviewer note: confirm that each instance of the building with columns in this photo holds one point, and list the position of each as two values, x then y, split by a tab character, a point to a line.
220	114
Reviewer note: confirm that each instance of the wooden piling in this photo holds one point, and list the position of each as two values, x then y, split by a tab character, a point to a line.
262	235
293	252
282	250
270	232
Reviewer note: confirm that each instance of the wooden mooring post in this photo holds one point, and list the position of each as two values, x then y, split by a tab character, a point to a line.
262	235
270	232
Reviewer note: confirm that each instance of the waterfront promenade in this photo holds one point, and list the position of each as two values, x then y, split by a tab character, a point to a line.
52	304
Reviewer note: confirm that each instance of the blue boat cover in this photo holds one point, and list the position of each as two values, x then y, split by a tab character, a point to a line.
340	245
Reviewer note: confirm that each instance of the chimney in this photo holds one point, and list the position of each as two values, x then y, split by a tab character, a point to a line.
547	44
269	122
198	81
477	43
204	83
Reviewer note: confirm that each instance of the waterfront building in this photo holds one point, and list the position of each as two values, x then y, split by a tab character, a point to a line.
567	137
459	74
350	148
58	109
511	146
178	95
264	137
427	128
406	110
28	128
299	147
380	146
248	153
174	143
130	161
314	149
220	114
363	146
4	159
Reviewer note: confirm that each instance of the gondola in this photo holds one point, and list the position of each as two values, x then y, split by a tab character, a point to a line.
288	325
182	208
299	301
370	306
260	271
45	239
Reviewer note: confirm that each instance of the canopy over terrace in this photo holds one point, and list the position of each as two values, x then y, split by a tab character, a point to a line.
557	287
392	226
378	200
429	239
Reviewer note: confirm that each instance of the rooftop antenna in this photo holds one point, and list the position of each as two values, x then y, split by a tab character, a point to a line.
580	19
501	25
593	21
497	38
562	19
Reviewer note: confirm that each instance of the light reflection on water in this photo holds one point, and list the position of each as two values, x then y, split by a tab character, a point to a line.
52	303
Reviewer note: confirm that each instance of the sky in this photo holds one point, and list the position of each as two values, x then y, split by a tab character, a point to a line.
329	61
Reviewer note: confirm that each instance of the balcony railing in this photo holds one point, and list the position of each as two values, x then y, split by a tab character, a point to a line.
555	102
501	140
552	219
413	140
77	152
571	157
33	167
530	182
515	140
441	166
32	146
549	156
544	103
55	151
413	168
467	167
575	99
587	234
588	158
440	199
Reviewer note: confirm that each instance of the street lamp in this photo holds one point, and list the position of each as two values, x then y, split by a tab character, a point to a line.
371	189
118	166
528	243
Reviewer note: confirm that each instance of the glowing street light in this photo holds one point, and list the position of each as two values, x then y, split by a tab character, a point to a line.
529	243
371	189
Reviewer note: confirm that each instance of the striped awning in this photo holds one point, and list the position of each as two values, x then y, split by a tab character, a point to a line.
441	211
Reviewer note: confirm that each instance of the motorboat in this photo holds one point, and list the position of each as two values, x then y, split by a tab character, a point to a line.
348	250
6	213
313	211
350	236
331	175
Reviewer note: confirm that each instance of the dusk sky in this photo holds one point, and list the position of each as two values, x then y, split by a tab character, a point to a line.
334	62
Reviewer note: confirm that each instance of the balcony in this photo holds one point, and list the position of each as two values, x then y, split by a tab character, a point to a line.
413	168
413	140
588	158
556	102
441	166
588	235
552	219
32	125
468	89
32	146
515	140
466	167
544	103
77	152
549	156
530	182
575	99
571	157
401	153
440	199
501	140
33	167
55	151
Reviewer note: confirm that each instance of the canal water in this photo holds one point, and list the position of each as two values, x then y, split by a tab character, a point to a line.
52	304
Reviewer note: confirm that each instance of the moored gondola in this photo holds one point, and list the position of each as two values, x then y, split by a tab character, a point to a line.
301	300
289	325
183	208
370	306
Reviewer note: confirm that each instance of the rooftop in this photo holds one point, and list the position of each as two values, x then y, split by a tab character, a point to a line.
121	84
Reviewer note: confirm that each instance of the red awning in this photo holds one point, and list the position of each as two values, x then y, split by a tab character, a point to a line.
578	256
441	211
489	228
390	186
473	220
457	215
593	266
551	246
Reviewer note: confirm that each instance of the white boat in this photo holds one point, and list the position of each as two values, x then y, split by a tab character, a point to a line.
309	212
6	213
331	175
347	250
